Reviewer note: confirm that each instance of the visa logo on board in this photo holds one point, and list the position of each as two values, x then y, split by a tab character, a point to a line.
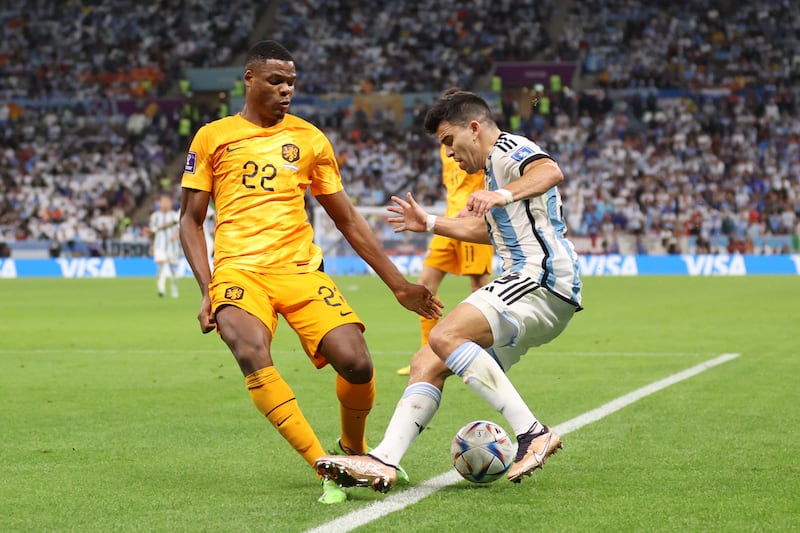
87	267
715	265
608	265
409	265
8	269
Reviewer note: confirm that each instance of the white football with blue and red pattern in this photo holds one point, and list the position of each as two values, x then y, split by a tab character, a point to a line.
482	451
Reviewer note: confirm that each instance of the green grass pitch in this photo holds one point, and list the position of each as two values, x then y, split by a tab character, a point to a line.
117	414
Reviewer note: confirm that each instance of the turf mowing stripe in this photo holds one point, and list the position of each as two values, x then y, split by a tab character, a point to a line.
224	349
403	499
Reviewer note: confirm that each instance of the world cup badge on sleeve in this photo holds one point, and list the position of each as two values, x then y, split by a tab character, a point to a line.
191	162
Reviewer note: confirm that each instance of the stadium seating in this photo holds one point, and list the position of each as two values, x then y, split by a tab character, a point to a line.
684	138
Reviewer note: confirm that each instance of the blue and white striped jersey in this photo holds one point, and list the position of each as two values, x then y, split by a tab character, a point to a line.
530	235
164	226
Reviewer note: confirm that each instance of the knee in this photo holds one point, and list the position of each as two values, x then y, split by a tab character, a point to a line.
463	324
346	350
440	341
357	369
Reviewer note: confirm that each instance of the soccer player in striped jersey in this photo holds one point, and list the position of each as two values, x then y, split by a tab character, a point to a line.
256	167
530	304
209	225
166	245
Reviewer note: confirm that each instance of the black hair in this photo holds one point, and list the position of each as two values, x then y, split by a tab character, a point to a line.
459	108
264	50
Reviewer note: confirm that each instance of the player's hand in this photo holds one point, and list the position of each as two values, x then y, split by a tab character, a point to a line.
206	318
420	299
411	217
465	213
480	202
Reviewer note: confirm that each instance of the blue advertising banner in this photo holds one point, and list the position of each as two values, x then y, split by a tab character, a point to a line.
688	265
590	265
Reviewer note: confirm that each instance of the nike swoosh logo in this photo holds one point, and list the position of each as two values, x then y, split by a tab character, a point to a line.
345	314
540	457
229	149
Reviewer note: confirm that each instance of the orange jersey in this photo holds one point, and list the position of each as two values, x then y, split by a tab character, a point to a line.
458	183
257	178
450	255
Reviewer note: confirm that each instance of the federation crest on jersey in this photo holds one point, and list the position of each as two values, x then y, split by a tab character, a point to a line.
234	293
290	152
191	162
522	153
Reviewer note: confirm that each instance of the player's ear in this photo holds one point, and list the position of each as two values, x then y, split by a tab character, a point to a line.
475	127
248	76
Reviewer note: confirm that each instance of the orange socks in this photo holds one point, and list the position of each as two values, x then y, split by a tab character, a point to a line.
275	399
355	403
426	325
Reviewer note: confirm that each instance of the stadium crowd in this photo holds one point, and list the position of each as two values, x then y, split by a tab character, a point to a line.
684	43
700	166
716	160
77	49
70	175
343	46
72	166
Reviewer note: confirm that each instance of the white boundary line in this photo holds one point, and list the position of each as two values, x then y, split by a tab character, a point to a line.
400	500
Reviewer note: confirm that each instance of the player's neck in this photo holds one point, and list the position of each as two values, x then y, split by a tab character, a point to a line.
488	138
259	120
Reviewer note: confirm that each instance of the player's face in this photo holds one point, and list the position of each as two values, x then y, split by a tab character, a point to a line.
270	86
461	143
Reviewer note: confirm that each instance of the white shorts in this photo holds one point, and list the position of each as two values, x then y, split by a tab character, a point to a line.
166	256
521	314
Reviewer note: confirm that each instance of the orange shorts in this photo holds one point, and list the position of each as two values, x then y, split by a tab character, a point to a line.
311	303
458	257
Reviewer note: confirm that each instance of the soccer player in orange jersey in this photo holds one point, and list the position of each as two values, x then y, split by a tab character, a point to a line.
257	166
450	256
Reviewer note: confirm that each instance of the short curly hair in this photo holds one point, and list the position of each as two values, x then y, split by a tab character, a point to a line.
264	50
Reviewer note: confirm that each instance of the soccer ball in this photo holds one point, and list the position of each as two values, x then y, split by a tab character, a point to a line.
482	451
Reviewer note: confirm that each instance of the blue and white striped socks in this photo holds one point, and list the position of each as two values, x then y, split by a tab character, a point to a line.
484	375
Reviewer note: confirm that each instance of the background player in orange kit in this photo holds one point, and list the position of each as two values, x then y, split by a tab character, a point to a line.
450	256
257	166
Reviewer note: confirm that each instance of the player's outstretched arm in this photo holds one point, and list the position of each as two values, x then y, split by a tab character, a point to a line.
412	217
354	228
